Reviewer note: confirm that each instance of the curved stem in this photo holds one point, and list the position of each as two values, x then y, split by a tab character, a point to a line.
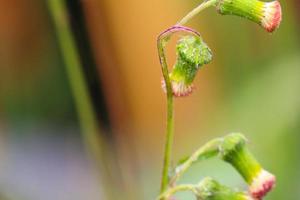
161	42
171	191
196	11
170	115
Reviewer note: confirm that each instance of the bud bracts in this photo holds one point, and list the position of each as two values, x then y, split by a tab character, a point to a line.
272	16
262	184
192	53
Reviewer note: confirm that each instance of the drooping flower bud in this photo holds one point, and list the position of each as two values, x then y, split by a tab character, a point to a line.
235	152
267	14
210	189
192	53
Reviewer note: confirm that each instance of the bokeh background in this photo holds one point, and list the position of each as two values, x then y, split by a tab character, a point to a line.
46	149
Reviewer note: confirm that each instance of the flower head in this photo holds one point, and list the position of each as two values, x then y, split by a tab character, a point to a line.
272	16
179	88
235	152
261	184
192	53
267	14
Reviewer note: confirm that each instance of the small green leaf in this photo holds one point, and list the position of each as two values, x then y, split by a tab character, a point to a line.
206	155
182	160
209	150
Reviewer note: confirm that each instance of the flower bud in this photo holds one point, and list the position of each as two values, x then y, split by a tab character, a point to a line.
235	152
267	14
192	53
209	189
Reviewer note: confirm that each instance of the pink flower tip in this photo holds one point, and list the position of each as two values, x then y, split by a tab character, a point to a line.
272	16
179	88
262	184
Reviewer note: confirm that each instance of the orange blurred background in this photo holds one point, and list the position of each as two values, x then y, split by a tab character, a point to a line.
251	86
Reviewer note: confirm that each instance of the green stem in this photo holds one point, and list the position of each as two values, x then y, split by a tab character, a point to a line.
196	11
162	40
179	188
170	116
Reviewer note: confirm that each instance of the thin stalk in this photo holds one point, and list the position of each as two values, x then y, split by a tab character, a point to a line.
94	144
196	11
170	116
179	188
209	150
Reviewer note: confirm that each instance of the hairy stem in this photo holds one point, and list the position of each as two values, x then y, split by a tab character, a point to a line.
196	11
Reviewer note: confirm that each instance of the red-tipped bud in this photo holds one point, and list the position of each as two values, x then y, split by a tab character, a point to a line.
267	14
262	184
272	16
179	89
235	152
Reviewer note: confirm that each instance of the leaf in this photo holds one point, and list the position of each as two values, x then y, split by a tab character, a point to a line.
209	150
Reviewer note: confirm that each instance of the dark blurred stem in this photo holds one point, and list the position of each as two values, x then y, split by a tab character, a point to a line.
94	144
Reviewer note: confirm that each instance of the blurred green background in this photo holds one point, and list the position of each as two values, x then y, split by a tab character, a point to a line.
49	123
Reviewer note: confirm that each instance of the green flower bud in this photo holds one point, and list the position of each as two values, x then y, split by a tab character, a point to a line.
267	14
234	151
192	53
209	189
